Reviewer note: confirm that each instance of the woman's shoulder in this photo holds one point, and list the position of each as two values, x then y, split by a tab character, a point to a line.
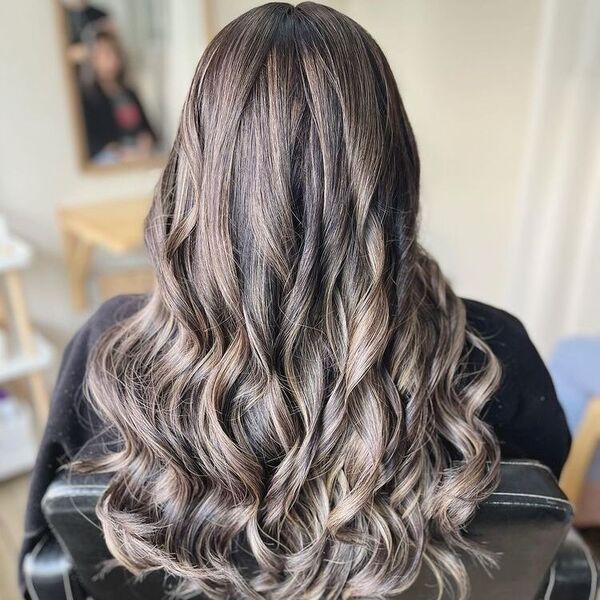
520	361
508	339
524	411
112	311
106	315
506	336
109	313
69	411
492	322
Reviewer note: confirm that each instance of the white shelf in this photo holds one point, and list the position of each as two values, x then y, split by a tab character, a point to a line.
20	364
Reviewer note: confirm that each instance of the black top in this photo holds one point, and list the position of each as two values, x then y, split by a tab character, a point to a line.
524	413
113	120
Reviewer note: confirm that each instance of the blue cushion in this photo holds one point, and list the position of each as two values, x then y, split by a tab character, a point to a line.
575	369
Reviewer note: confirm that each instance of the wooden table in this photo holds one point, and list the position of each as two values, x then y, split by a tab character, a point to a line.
115	225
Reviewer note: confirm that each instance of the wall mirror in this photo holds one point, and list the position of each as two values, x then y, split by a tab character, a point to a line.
117	55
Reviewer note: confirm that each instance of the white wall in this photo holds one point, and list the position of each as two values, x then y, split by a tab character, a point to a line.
555	274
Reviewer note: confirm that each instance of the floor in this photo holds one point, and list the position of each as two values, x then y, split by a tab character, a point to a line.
13	494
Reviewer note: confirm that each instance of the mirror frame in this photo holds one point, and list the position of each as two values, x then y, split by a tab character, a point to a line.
74	106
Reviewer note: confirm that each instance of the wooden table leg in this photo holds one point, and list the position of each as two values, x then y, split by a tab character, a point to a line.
39	395
77	255
585	442
24	330
3	313
16	297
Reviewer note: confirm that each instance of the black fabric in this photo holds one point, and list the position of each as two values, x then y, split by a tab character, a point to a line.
101	122
525	413
574	573
49	573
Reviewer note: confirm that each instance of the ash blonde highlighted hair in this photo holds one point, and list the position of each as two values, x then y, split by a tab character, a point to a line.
291	395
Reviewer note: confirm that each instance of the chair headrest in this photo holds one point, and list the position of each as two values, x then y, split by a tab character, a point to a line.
524	522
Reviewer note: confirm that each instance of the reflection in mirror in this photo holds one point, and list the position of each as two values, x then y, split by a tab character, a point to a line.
115	55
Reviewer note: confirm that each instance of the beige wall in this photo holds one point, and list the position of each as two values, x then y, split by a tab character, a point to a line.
465	71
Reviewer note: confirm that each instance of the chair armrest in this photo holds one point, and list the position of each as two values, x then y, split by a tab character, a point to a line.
574	574
48	573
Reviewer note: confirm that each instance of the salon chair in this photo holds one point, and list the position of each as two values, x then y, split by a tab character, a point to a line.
526	523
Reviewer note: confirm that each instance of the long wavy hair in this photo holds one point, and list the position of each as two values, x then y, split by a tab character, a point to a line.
293	393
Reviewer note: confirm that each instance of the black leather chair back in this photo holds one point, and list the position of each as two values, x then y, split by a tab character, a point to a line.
524	522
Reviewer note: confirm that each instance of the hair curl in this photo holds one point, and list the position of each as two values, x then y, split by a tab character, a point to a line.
295	388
